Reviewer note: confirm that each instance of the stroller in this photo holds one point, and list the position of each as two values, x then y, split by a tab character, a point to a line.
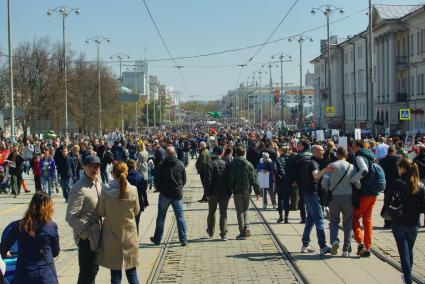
11	260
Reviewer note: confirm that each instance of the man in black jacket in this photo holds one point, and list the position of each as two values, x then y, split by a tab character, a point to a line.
170	178
284	173
389	165
217	192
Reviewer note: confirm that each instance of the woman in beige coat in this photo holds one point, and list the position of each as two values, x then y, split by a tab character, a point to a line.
119	247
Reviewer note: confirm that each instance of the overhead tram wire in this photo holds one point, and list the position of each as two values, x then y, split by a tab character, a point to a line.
217	52
166	47
274	31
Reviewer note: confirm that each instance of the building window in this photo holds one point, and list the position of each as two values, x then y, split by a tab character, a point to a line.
374	73
353	80
422	85
411	45
360	81
345	58
418	42
352	55
418	84
359	52
346	84
422	41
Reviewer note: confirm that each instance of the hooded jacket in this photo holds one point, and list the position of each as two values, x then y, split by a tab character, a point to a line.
242	177
136	179
170	178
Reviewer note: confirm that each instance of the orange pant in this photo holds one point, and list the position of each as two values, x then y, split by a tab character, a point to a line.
364	212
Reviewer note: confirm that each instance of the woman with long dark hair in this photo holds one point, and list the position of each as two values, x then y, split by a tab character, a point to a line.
119	245
411	194
38	243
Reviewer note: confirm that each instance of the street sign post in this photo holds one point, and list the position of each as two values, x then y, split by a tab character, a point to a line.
405	114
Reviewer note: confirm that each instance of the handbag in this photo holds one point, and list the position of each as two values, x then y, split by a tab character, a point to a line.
329	193
394	210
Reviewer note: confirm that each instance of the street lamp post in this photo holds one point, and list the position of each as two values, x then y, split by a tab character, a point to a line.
120	57
12	102
301	39
65	12
327	11
282	58
98	40
261	97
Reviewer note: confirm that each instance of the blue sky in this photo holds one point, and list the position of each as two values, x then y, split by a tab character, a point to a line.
189	27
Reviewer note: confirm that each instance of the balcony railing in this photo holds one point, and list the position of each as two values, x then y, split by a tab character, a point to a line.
402	60
401	97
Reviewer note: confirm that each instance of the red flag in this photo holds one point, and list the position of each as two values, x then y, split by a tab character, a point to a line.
3	155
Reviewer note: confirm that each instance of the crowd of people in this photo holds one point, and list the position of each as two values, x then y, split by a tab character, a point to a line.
105	183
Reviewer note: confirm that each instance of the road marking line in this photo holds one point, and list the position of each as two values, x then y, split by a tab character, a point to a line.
12	209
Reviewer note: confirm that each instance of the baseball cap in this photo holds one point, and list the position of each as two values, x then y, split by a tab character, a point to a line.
90	159
218	150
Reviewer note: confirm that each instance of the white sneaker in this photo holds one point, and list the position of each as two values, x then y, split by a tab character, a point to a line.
346	254
326	213
307	249
335	247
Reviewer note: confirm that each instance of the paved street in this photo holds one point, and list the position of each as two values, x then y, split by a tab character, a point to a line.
206	260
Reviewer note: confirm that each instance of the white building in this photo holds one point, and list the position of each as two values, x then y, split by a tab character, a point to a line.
398	66
398	39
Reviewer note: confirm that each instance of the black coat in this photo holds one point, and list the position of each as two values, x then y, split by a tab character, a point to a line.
253	156
413	205
389	164
215	178
420	162
283	169
170	178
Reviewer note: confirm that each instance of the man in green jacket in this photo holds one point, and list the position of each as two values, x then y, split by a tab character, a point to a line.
201	166
242	177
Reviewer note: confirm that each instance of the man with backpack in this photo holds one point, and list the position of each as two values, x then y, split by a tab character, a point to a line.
372	179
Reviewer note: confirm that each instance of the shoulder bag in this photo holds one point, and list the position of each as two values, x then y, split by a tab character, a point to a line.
329	193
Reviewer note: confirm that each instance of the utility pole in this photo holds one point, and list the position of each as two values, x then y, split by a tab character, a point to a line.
301	39
12	102
369	113
282	58
98	40
270	92
120	58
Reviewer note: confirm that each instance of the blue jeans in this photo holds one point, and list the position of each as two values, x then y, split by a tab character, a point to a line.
66	185
47	184
163	205
131	274
103	173
314	217
405	237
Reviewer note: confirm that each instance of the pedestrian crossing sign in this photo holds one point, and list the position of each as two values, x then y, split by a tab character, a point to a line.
330	111
405	114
